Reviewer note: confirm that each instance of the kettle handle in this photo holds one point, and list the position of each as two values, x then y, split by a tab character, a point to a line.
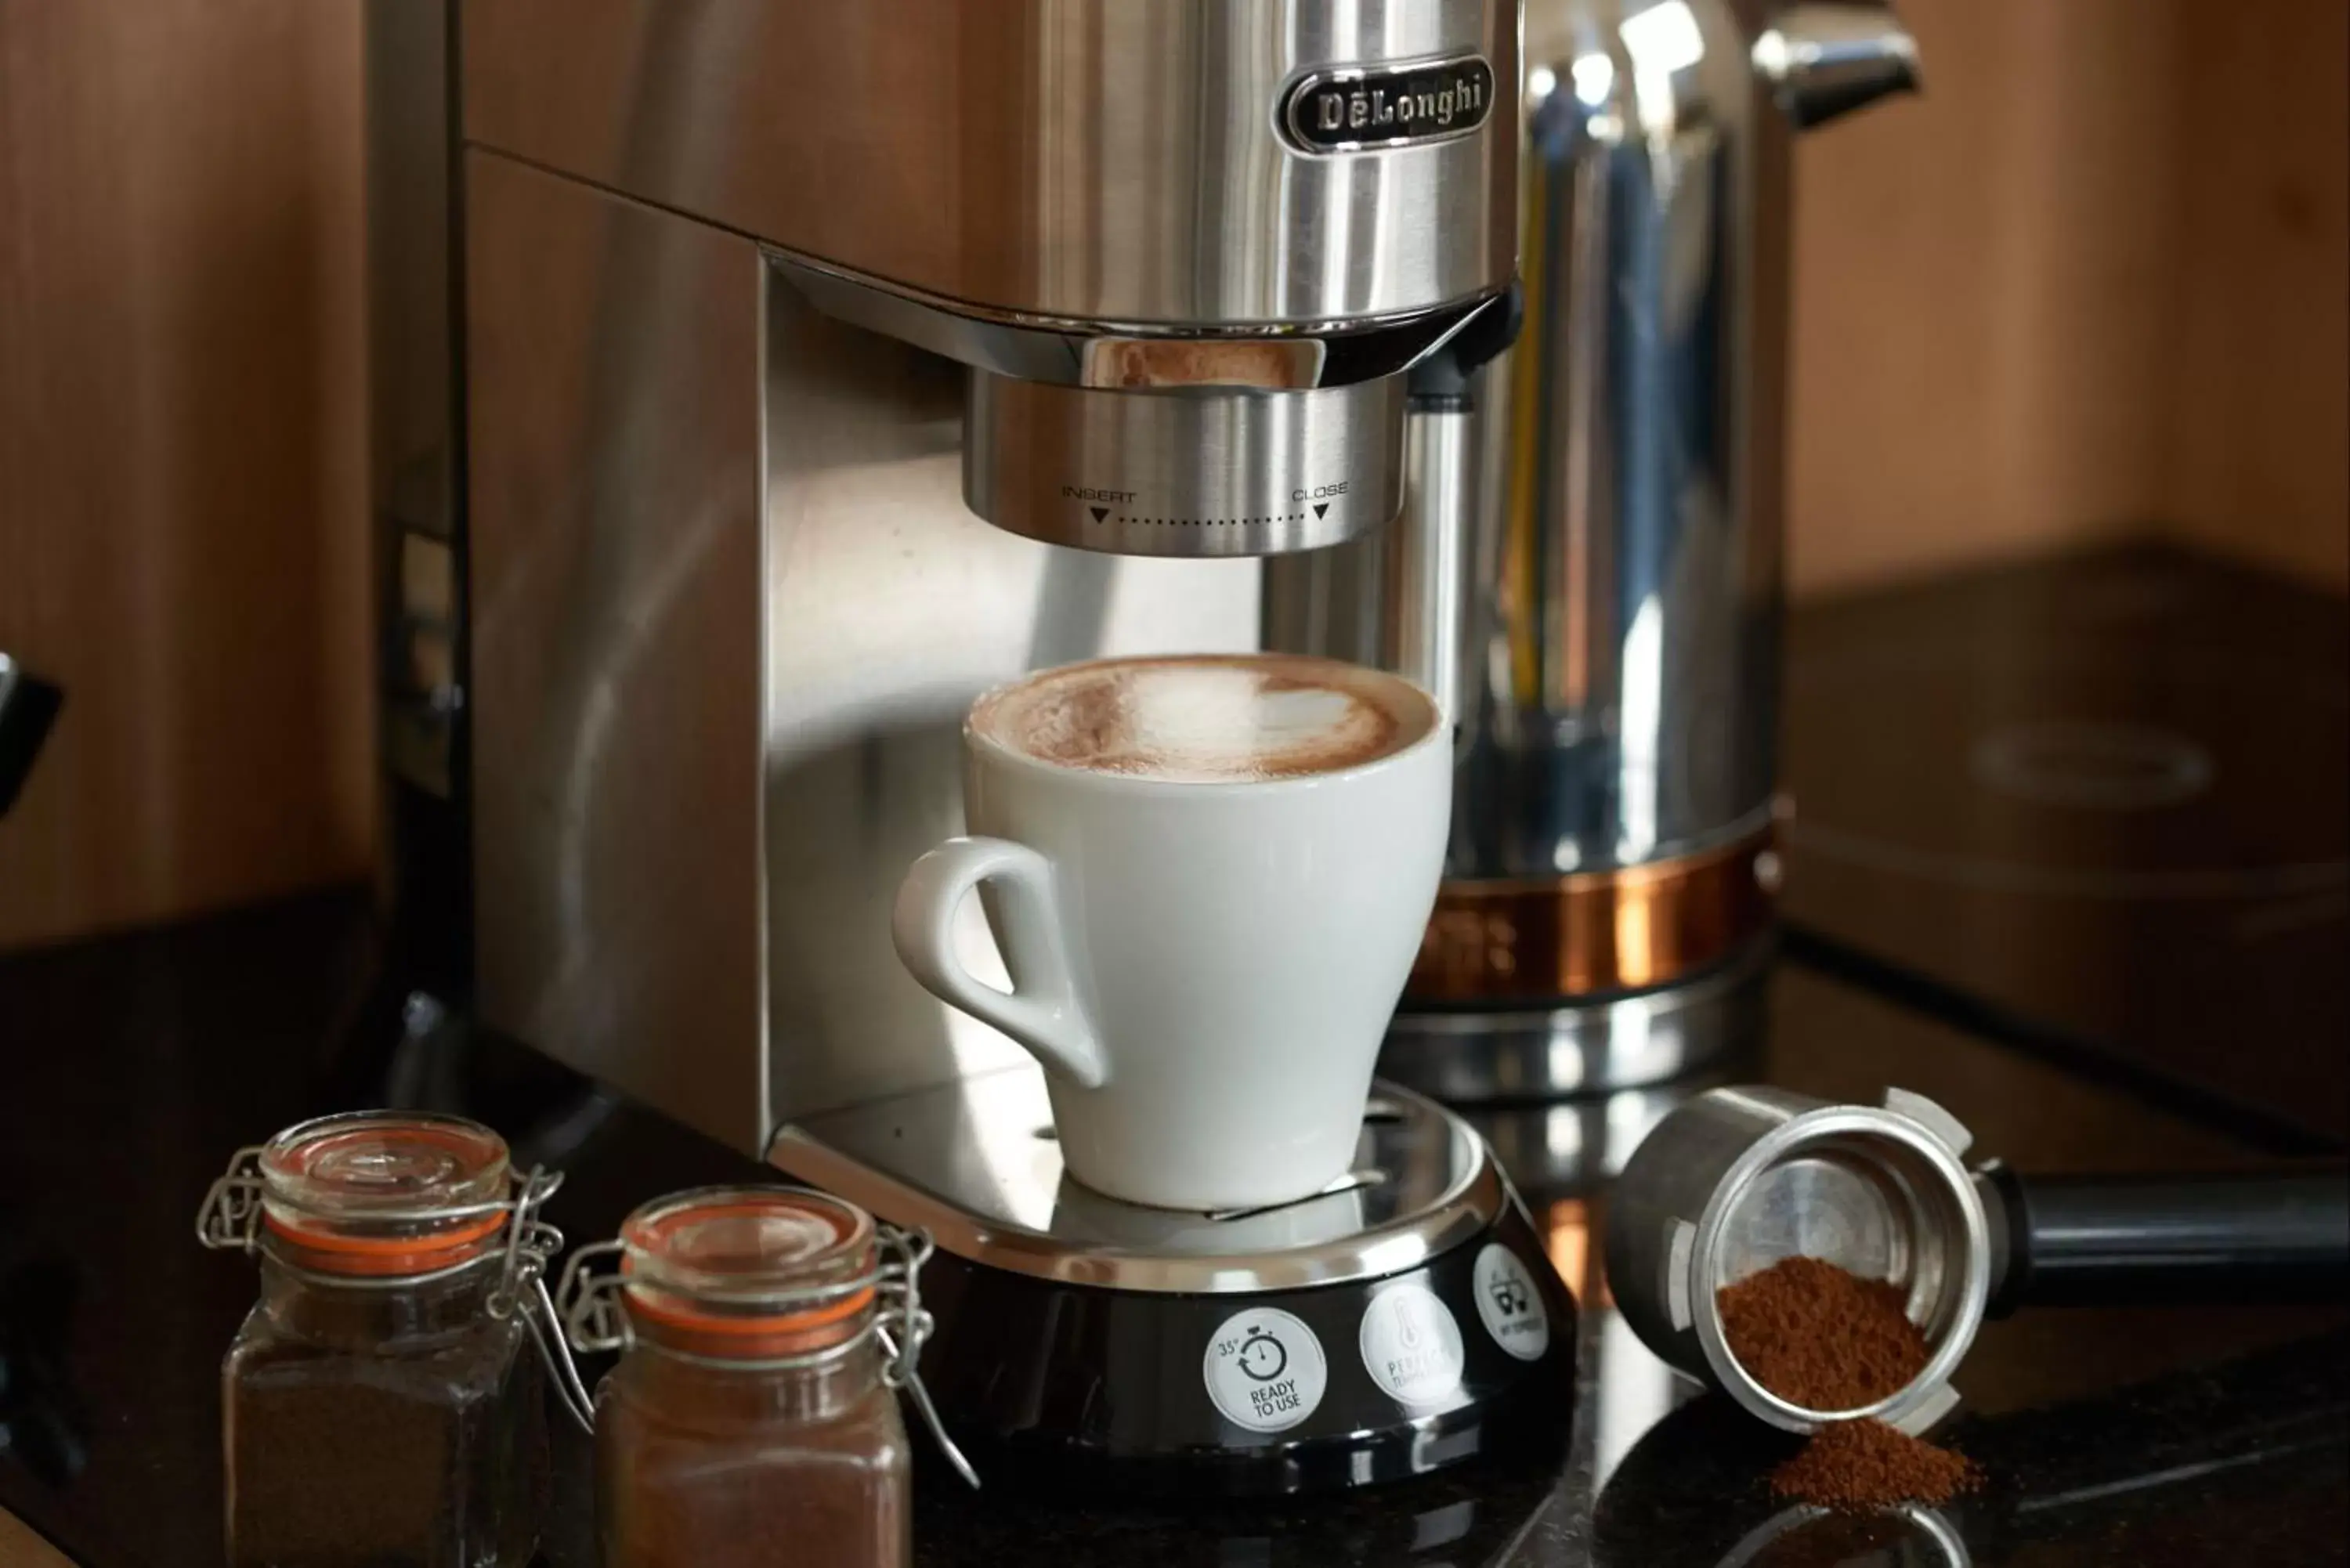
1827	57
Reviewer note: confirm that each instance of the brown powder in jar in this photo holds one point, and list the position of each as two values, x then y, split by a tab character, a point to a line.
1855	1466
1820	1337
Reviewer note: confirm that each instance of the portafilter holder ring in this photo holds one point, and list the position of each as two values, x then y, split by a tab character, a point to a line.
1737	1179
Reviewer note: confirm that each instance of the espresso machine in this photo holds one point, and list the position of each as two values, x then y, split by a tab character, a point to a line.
1587	567
758	382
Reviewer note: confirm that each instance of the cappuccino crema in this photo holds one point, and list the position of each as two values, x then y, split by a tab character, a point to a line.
1207	718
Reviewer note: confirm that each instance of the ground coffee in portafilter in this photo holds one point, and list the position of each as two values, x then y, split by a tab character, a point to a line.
1822	1338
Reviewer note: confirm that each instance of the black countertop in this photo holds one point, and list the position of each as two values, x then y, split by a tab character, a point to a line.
2099	806
2157	1436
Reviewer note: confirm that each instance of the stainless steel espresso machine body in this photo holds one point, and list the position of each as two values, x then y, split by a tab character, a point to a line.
1587	568
802	370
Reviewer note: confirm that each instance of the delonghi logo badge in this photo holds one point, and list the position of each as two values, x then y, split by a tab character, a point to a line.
1355	109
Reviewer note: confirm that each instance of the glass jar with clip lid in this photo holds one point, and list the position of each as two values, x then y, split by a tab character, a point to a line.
764	1334
378	1405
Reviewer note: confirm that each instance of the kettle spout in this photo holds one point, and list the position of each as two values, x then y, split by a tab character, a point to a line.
1824	59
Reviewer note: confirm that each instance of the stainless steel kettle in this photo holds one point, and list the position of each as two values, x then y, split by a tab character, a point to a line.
1586	570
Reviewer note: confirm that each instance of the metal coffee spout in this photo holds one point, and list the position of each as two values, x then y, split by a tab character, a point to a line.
1165	441
1824	60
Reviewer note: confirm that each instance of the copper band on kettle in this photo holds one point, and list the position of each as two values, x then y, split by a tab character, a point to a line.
1592	932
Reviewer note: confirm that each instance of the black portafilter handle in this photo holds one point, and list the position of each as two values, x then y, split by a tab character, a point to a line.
2271	1238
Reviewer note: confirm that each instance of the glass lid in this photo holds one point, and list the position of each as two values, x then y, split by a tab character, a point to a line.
386	1191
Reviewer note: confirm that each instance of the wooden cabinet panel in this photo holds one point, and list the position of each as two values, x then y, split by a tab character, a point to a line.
182	442
2090	283
2257	461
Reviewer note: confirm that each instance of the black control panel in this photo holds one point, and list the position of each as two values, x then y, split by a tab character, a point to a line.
1051	1385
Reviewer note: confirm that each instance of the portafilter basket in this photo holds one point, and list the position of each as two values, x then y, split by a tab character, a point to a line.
1737	1179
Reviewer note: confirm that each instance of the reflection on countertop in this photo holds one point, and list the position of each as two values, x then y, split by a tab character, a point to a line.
2099	805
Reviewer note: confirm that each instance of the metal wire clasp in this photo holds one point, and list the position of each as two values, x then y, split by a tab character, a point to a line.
589	1310
903	1326
531	1245
230	1216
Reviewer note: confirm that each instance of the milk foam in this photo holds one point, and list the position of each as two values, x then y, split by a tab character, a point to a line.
1207	719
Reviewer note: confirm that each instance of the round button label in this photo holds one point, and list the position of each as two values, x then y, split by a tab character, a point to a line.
1510	1305
1410	1346
1265	1370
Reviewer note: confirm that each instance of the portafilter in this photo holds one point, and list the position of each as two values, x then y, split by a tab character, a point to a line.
1739	1178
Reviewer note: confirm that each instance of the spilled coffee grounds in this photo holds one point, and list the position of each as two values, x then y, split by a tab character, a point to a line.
1820	1337
1854	1466
1828	1340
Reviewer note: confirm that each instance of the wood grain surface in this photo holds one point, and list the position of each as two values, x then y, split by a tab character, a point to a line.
181	406
2257	457
20	1548
2090	283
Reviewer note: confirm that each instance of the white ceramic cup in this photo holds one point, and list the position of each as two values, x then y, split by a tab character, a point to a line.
1205	969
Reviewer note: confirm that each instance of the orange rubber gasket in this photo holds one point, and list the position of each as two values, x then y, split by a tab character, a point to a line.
767	1338
661	1312
382	1256
766	1335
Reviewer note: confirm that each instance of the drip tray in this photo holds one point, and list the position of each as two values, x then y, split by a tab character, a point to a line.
975	1163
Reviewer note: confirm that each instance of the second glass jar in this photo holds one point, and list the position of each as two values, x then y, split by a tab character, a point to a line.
749	1420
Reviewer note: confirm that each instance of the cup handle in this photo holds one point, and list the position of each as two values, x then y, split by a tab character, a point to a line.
1041	1012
